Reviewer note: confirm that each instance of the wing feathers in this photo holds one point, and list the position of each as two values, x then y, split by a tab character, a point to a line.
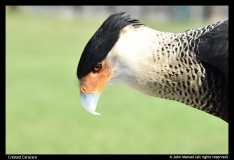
213	47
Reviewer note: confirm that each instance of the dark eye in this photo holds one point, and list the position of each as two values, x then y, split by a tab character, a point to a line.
97	67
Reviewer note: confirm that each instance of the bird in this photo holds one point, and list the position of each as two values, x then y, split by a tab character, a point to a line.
190	67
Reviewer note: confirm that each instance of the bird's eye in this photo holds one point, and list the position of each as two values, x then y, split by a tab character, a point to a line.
97	67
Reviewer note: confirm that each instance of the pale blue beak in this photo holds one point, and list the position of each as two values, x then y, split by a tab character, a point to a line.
89	102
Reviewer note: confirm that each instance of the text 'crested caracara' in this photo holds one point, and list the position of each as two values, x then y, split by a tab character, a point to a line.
190	67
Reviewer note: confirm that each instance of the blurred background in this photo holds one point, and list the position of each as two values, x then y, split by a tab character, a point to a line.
153	13
43	111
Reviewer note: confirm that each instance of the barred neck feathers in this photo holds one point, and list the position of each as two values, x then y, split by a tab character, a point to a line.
193	77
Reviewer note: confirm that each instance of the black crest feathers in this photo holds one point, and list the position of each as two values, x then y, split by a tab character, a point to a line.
102	41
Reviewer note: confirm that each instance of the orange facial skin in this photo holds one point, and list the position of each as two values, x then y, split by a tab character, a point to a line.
95	81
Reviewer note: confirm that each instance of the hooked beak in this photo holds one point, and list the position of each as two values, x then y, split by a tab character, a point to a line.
89	102
91	87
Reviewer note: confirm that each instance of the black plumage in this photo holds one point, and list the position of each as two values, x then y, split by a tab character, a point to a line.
212	51
213	48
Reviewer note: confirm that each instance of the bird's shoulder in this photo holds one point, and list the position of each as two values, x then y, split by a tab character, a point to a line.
213	47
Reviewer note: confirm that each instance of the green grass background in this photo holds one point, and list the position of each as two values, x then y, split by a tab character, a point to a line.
44	114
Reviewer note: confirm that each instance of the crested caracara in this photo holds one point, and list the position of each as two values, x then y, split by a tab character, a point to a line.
190	67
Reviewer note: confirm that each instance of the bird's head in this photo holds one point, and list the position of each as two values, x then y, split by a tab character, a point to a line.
113	54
